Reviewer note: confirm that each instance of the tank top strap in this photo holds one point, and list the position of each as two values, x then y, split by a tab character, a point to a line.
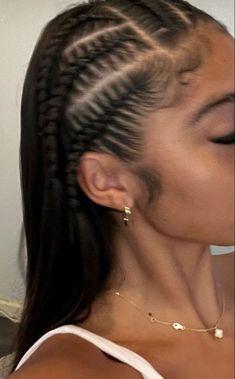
117	351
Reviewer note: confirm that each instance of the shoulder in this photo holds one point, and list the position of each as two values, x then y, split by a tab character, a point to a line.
63	356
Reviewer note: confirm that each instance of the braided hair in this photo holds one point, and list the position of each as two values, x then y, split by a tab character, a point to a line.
96	71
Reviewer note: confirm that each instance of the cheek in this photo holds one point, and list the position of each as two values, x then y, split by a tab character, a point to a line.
197	200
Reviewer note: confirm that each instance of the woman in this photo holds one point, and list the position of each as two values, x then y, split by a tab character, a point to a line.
127	179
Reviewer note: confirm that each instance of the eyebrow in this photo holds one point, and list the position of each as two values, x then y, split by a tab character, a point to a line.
212	104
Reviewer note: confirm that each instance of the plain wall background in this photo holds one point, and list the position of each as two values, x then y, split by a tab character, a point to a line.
20	25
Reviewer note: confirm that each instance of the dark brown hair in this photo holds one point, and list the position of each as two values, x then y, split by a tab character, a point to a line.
96	71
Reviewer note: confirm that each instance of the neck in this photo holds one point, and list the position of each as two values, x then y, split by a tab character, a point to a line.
174	279
171	278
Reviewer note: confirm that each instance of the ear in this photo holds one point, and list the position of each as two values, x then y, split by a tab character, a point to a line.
105	180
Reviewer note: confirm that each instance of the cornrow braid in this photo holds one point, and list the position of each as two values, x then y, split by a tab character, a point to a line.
184	7
93	131
161	10
52	50
191	14
50	104
50	56
56	105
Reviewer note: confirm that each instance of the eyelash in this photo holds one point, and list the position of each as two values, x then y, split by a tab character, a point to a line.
226	140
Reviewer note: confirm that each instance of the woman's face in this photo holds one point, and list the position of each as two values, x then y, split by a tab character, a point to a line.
197	175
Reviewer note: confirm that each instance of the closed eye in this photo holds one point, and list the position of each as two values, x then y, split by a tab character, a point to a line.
226	140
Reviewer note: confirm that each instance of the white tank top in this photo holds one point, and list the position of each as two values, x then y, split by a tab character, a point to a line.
120	352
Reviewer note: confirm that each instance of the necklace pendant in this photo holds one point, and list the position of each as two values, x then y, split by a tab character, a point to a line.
152	318
218	333
178	326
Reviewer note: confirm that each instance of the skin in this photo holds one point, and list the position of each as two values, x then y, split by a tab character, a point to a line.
163	257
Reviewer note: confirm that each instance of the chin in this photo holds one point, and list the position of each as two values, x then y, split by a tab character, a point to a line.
224	242
224	238
226	235
229	245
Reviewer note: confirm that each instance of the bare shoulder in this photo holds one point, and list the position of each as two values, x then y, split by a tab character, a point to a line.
66	356
63	356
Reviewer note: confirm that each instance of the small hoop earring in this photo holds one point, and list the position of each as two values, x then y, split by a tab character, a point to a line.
127	212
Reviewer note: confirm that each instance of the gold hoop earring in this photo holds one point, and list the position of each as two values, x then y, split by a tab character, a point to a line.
127	212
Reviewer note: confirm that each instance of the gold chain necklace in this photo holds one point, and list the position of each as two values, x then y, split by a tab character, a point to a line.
176	325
